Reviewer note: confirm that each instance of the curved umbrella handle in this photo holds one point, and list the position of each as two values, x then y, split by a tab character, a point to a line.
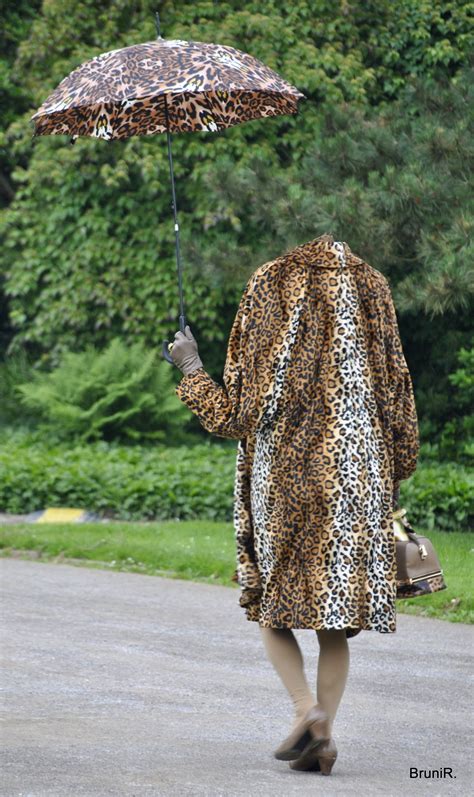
166	353
164	350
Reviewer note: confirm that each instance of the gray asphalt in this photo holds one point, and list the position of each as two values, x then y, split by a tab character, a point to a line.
124	684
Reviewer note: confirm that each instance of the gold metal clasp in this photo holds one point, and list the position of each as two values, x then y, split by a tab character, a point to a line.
423	551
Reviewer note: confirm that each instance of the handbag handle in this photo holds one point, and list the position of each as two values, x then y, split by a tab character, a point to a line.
400	515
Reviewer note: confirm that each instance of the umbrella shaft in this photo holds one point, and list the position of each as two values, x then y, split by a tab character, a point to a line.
182	320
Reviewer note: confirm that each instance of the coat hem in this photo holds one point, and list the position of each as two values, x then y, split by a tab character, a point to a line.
298	626
250	600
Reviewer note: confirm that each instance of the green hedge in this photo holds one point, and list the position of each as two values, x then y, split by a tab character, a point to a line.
130	483
440	496
144	482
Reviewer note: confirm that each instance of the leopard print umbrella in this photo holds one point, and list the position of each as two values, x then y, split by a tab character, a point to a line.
167	85
164	85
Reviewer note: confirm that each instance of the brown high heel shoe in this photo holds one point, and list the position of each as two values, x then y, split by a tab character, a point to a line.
321	759
308	735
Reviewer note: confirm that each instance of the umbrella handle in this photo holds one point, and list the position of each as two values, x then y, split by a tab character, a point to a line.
166	353
164	350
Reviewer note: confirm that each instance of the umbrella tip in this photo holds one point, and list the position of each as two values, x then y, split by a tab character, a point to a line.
158	26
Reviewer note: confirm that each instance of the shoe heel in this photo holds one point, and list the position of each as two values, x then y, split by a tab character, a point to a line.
326	764
312	731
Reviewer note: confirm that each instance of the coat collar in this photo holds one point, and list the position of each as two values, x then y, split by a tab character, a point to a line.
325	252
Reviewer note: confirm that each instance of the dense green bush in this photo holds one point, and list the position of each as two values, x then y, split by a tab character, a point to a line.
440	496
120	393
131	483
138	483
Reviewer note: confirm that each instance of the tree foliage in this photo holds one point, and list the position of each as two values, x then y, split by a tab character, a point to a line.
379	155
395	180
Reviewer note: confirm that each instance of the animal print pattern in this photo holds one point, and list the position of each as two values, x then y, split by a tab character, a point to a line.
266	450
425	587
164	84
318	394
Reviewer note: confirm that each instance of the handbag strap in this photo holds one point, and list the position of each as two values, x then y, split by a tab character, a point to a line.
400	514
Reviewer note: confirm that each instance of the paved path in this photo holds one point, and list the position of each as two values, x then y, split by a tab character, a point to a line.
131	686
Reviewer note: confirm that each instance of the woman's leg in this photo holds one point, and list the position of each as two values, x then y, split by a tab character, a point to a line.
285	654
333	668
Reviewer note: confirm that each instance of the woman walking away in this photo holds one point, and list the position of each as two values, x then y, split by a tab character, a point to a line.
318	394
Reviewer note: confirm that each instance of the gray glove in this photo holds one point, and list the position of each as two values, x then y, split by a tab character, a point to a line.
184	351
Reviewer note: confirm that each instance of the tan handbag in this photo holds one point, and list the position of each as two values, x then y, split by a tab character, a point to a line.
418	569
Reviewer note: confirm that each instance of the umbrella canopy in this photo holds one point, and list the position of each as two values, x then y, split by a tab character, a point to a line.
164	85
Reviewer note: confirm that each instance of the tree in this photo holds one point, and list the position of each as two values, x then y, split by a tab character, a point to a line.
88	245
381	144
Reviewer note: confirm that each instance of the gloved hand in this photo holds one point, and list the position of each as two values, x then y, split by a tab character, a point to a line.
184	351
396	495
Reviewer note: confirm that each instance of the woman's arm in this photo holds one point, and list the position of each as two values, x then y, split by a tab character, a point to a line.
219	408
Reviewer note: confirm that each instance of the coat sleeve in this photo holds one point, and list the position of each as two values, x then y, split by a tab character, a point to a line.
403	414
220	409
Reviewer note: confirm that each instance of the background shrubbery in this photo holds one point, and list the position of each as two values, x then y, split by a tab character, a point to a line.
380	155
131	483
122	393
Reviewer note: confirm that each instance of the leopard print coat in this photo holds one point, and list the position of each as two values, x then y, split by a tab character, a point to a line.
318	394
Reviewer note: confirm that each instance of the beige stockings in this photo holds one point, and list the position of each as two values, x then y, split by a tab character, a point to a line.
333	666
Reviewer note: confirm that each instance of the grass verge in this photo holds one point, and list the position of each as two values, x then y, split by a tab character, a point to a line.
205	551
